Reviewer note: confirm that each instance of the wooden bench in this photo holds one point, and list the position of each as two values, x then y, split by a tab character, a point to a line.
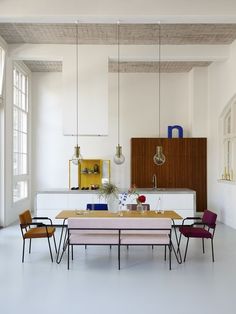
123	231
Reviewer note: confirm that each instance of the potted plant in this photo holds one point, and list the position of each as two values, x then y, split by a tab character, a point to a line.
110	193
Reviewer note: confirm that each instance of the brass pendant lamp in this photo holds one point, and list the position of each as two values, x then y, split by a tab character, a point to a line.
76	158
119	158
159	158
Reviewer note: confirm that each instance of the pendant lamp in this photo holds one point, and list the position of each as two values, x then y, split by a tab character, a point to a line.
159	158
76	158
119	158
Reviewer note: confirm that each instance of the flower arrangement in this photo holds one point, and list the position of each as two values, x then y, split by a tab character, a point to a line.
139	198
108	189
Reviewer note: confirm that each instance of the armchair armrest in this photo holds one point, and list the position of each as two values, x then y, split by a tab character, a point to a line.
198	223
37	224
190	218
43	218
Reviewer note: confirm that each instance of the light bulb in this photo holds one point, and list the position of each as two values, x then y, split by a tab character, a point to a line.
76	158
119	158
159	158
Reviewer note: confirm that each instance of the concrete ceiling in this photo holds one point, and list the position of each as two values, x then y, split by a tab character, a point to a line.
153	67
130	34
43	65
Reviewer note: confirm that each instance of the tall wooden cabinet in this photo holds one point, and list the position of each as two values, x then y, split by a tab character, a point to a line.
185	166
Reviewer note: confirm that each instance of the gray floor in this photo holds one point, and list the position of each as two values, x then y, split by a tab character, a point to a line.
144	285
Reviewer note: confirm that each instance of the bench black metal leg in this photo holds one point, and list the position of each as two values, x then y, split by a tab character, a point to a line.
119	252
170	257
68	257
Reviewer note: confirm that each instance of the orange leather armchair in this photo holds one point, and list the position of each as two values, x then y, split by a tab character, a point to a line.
31	228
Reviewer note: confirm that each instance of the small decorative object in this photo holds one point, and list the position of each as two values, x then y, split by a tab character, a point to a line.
96	168
110	192
84	170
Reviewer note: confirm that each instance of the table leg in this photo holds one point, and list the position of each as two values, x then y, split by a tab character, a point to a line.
178	258
61	251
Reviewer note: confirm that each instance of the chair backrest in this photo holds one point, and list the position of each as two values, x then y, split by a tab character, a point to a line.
209	219
25	218
134	206
96	206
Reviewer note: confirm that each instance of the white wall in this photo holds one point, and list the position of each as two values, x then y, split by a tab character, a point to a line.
198	102
138	116
138	93
221	196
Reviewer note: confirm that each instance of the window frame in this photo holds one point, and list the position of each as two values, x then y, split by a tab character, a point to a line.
227	169
2	70
25	177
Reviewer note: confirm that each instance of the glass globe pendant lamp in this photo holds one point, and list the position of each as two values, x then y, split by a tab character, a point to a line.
119	158
159	158
76	158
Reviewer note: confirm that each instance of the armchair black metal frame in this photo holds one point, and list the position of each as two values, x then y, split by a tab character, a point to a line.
39	230
206	231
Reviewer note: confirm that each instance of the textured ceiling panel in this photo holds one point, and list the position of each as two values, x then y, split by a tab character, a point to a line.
146	34
153	67
43	66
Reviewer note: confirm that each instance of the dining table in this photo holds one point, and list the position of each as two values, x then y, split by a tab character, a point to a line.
65	214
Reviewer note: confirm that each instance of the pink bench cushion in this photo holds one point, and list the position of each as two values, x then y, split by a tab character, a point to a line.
127	236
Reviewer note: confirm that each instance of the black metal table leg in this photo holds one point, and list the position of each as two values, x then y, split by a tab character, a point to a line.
178	252
61	251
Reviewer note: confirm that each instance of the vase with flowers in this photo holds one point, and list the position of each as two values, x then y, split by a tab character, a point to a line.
140	199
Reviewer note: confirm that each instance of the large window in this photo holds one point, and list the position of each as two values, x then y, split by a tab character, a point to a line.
20	134
228	141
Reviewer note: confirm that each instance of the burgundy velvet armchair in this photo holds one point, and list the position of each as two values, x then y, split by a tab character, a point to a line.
202	228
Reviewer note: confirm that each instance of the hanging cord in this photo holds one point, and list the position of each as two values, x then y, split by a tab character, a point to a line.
118	81
159	77
77	81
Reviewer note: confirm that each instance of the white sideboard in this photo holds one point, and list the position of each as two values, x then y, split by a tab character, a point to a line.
50	202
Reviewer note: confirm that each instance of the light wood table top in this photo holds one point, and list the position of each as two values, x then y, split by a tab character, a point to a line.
65	214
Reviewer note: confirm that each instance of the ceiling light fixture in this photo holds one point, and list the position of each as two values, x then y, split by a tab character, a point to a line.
76	158
159	158
119	158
